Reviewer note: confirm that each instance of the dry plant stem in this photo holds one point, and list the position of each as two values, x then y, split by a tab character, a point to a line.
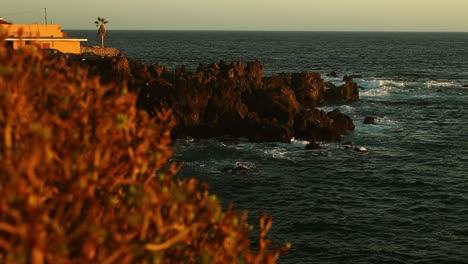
180	236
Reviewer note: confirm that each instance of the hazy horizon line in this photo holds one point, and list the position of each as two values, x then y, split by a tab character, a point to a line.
272	30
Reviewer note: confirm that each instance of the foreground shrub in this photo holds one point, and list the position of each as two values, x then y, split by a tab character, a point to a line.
85	178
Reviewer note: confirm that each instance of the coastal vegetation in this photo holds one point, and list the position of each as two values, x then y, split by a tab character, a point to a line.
85	177
100	22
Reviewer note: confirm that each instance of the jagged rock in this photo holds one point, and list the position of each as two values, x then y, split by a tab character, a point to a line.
254	69
350	91
342	123
333	74
317	125
230	99
346	92
236	169
279	103
309	88
276	81
347	78
369	120
239	70
157	70
312	146
349	145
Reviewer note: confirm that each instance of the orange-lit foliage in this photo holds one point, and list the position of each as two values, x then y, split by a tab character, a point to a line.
84	178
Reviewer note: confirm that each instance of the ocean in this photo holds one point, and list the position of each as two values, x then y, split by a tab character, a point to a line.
404	201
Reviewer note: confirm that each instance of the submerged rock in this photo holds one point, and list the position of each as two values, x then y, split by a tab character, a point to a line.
236	169
333	74
347	78
312	146
346	92
349	145
369	120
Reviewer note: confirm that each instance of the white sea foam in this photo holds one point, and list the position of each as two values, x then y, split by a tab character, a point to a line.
326	108
379	87
436	84
300	143
347	108
386	121
391	83
369	84
245	164
376	92
277	153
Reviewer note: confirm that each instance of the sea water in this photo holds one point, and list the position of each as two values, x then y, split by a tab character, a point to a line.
404	201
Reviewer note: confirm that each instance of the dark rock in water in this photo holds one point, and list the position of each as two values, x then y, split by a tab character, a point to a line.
466	85
369	120
317	125
312	146
236	169
309	88
333	74
222	99
347	78
346	92
351	146
342	123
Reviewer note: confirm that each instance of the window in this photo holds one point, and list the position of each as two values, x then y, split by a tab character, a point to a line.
9	44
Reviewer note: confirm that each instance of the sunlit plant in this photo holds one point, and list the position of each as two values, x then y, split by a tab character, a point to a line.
85	177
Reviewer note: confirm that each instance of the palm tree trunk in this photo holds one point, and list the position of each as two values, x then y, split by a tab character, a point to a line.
102	41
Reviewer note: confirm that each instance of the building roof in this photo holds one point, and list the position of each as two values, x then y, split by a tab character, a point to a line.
44	39
3	22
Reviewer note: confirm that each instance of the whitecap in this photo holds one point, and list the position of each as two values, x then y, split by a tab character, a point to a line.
386	121
437	84
347	108
300	143
376	92
381	87
245	164
392	83
326	108
369	84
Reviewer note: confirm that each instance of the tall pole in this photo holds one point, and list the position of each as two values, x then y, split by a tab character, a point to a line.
45	13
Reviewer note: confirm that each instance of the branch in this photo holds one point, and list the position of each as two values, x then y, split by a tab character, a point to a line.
172	241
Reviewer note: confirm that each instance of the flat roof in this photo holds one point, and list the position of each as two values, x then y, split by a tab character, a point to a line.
46	39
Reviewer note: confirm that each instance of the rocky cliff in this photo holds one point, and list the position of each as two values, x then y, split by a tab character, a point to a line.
235	99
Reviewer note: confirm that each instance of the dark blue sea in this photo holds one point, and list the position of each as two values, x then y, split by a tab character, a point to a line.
405	201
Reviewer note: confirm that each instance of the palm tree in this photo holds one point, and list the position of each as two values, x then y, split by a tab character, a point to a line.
100	22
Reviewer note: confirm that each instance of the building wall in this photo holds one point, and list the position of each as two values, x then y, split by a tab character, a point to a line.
32	30
63	46
67	46
52	31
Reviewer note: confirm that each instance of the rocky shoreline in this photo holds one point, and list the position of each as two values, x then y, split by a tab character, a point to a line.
235	99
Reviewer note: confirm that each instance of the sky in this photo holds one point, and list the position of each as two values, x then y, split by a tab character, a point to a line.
281	15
